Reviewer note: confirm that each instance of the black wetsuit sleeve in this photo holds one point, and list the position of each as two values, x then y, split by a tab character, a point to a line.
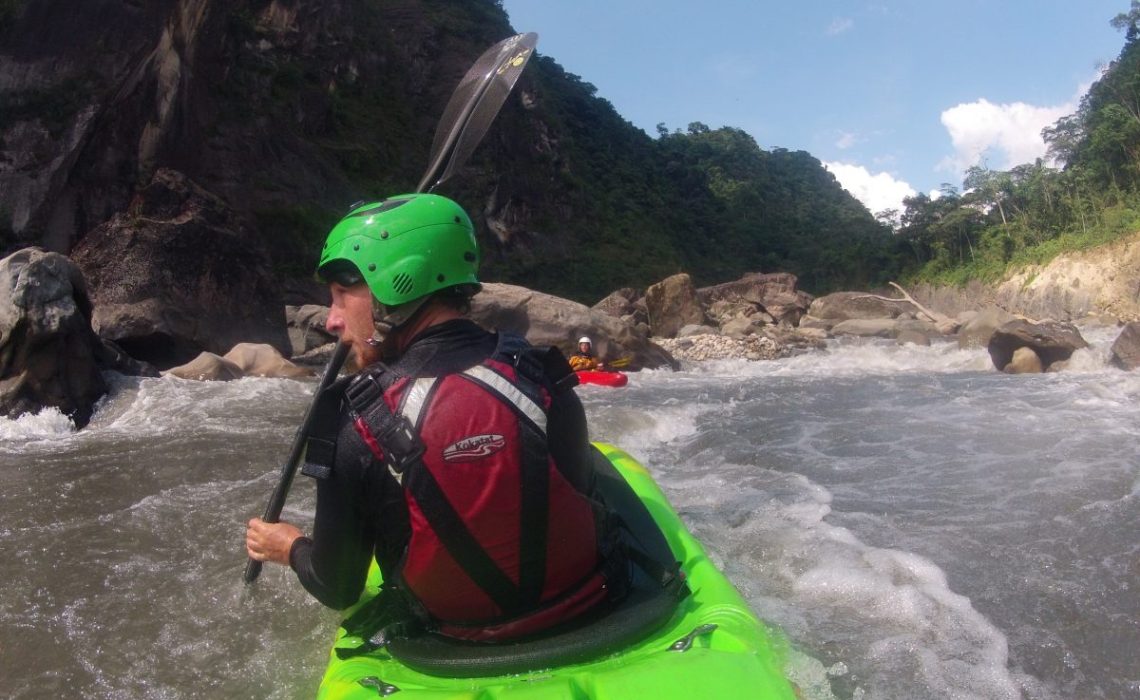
569	442
333	564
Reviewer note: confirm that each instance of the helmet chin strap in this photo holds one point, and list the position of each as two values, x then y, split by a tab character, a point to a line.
388	319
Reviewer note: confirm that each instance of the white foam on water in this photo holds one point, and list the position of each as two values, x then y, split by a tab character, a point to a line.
46	426
156	406
858	357
153	407
892	618
635	429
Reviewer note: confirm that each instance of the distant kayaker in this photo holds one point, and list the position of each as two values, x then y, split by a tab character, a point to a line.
585	359
457	457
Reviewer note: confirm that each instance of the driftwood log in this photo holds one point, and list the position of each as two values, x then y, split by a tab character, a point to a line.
944	324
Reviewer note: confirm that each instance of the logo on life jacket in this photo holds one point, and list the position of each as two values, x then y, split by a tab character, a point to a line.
474	447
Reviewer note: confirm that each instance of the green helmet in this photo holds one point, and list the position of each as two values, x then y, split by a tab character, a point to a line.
404	248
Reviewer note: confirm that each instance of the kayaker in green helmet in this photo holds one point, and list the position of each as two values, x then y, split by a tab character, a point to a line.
457	457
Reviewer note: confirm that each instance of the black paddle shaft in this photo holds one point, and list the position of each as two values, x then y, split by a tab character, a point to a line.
468	115
289	469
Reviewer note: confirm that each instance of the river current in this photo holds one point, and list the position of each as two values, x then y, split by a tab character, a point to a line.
915	524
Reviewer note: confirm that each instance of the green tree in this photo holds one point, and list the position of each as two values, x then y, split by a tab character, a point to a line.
990	187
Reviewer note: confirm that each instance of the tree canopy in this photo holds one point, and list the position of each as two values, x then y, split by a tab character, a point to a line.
1085	193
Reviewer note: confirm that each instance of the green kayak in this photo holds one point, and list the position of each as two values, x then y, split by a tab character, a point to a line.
707	645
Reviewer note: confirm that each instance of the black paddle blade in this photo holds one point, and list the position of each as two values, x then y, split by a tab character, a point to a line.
474	104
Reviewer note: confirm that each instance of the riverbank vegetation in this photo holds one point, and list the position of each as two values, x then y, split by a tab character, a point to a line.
1085	193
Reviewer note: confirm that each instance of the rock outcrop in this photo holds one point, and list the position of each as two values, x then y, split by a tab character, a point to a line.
772	295
1099	282
49	355
979	328
550	320
1125	352
306	327
207	367
244	360
177	275
828	310
673	304
1051	341
261	360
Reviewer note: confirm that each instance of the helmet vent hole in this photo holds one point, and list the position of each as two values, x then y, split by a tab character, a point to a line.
439	278
402	284
372	267
469	256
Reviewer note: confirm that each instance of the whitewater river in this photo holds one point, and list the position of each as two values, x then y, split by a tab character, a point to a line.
916	524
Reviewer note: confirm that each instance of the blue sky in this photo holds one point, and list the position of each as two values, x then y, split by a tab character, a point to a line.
894	97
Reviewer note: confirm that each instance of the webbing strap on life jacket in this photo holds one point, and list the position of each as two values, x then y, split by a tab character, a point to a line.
457	539
402	451
393	433
497	384
391	436
534	504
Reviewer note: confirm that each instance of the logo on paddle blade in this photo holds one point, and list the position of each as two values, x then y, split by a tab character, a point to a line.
474	447
515	61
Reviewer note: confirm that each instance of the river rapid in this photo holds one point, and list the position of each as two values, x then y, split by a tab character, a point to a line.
916	525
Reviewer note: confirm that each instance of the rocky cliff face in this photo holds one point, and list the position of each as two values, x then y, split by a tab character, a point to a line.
190	153
263	103
1103	281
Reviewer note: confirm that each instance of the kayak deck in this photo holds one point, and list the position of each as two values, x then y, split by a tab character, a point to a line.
712	647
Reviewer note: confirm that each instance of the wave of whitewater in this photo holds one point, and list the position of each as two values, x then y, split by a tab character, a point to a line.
914	523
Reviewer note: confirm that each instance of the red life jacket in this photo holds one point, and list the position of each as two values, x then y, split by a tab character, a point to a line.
502	545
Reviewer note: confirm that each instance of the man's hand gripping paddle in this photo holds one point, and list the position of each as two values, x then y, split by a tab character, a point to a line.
468	115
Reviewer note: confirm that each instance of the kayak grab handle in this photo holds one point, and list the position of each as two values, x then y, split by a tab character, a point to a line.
685	642
382	688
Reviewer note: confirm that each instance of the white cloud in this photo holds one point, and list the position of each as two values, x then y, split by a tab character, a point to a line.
877	191
846	140
1011	133
839	25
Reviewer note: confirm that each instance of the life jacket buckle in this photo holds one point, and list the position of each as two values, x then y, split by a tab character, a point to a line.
403	445
363	392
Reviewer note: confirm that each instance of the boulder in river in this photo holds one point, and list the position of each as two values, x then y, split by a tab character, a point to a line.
1125	352
774	295
207	367
979	327
177	274
306	326
827	311
1024	361
626	303
672	305
549	320
49	355
261	360
1052	341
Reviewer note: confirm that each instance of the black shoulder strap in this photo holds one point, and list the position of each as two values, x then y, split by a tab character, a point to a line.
544	364
403	452
320	445
394	434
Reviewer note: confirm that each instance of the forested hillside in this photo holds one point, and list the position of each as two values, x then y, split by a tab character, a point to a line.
1087	192
290	110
